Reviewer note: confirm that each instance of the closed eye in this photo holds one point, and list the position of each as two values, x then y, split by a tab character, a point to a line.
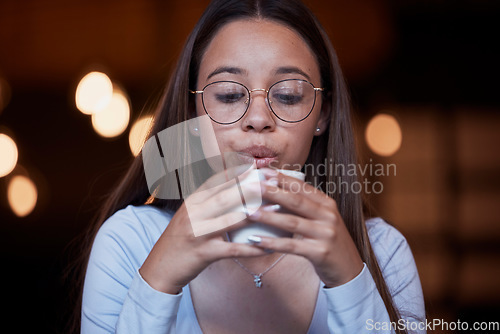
288	99
229	97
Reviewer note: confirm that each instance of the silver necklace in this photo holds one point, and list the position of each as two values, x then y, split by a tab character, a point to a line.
257	278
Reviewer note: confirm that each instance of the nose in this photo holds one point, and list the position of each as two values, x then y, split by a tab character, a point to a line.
259	117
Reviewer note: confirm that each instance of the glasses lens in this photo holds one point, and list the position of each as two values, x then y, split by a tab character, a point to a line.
292	100
224	101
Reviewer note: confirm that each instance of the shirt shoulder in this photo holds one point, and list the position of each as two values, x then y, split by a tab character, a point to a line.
120	247
386	242
145	220
130	234
398	267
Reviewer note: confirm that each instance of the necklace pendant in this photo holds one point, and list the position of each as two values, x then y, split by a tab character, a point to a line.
257	280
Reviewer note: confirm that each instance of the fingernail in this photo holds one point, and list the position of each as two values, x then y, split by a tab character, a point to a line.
271	208
254	239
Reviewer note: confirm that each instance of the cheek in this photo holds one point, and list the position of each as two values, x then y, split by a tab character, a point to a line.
308	126
299	144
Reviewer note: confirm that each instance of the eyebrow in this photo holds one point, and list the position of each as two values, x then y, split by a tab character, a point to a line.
292	69
228	69
237	70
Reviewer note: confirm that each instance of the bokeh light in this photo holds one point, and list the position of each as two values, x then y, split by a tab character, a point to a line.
8	154
112	120
94	93
22	195
383	135
138	134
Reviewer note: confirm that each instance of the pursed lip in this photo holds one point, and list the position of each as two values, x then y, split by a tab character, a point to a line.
262	155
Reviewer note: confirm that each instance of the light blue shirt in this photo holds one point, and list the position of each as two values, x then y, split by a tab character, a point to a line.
117	300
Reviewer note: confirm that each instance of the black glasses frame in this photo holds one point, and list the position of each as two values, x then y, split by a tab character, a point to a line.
247	102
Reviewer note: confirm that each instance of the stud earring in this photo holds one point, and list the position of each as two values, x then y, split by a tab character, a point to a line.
318	129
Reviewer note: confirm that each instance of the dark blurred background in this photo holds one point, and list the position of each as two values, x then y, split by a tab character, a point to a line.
430	66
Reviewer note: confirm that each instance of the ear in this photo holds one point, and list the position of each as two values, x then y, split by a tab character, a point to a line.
324	117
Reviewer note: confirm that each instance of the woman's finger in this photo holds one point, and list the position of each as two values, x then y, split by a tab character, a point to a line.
218	225
217	249
297	202
294	185
222	199
292	223
308	248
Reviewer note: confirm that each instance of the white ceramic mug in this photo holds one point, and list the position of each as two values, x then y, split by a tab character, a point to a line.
240	235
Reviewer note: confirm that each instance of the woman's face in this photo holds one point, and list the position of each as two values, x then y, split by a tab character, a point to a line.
258	54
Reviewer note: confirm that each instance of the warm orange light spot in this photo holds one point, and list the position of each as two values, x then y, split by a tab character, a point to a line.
94	93
383	135
112	120
22	195
8	154
138	133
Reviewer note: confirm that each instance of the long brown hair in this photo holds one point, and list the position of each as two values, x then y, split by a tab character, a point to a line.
336	145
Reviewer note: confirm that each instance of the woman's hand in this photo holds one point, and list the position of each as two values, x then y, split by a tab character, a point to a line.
179	256
326	242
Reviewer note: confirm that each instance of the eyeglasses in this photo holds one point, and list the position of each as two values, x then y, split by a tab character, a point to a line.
226	102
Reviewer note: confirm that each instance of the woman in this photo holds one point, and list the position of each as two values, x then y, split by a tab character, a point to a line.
148	273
